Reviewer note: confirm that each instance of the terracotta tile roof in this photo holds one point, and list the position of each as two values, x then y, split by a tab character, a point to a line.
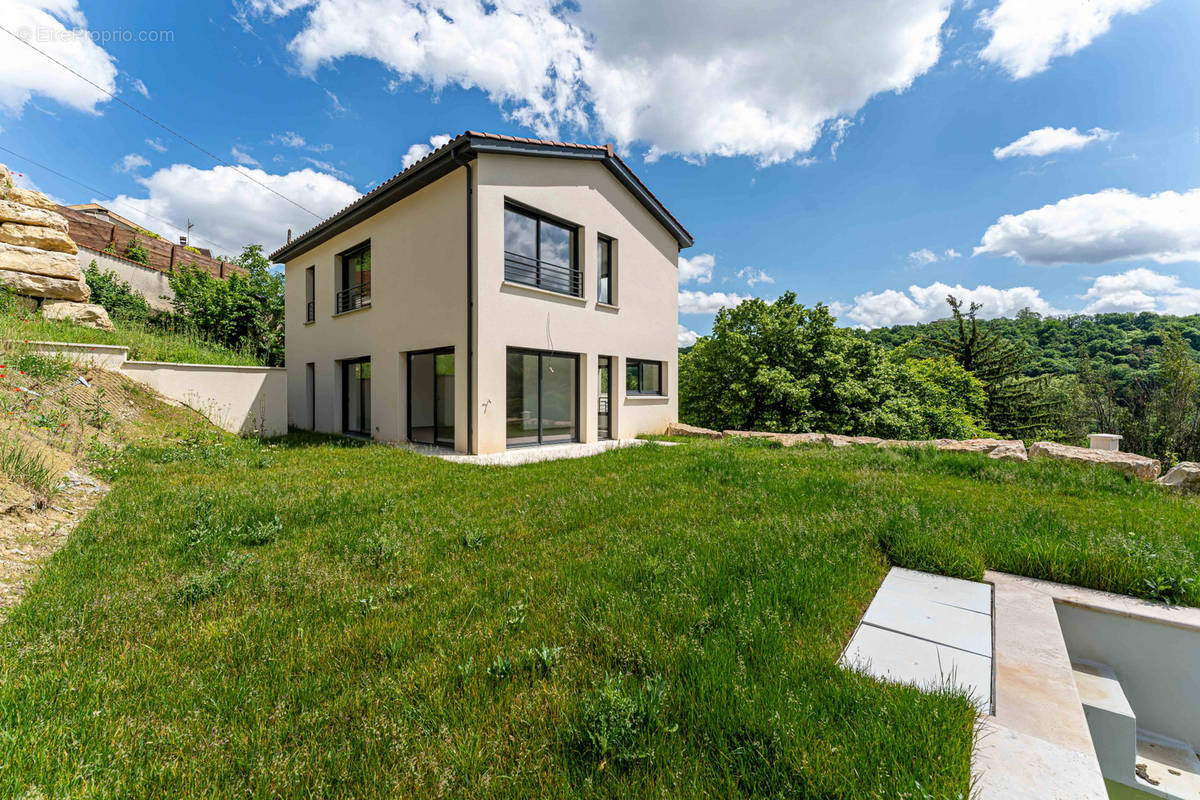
681	234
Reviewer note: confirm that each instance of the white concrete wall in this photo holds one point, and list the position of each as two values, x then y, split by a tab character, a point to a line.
149	283
104	356
1156	662
242	400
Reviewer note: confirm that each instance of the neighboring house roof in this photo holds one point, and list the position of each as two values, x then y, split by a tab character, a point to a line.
92	208
454	154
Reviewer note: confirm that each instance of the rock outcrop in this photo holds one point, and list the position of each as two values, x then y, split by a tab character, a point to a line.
89	314
1012	451
679	429
37	256
1131	464
1183	477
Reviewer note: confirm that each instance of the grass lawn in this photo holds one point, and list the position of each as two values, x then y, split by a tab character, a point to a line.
315	619
144	343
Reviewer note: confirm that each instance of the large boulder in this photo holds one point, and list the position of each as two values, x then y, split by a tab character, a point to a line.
38	262
904	443
975	445
15	233
28	215
1139	467
1183	477
42	286
89	315
1011	451
28	197
680	429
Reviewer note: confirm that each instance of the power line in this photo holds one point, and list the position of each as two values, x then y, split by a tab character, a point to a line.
174	133
103	195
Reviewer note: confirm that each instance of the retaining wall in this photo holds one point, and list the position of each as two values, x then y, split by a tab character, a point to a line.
150	283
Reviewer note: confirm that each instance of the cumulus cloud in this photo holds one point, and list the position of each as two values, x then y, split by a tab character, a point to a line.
231	211
58	28
698	302
1027	34
419	150
1138	290
1045	141
698	268
951	253
764	80
753	275
687	337
131	163
1110	225
922	257
288	139
927	303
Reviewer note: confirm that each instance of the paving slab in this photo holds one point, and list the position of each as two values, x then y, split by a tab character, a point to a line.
969	595
898	658
902	608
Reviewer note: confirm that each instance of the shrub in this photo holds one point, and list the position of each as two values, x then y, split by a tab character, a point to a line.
616	723
117	297
135	252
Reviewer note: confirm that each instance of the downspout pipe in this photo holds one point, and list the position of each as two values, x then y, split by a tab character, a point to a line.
465	161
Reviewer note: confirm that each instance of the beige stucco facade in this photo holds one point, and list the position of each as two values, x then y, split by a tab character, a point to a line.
419	301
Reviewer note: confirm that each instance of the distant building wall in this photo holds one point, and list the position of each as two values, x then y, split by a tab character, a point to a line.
149	283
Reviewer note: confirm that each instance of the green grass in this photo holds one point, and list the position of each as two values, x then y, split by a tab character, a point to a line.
145	343
316	619
20	463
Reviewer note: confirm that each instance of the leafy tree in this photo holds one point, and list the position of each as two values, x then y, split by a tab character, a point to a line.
118	299
1177	400
949	402
241	312
135	252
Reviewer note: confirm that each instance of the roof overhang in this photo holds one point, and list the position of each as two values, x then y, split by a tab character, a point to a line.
455	154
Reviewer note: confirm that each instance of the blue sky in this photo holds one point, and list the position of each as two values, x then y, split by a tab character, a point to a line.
847	152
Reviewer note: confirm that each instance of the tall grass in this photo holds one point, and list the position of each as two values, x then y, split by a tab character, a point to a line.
22	465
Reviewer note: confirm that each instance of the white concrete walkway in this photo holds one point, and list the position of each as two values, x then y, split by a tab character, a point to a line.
532	455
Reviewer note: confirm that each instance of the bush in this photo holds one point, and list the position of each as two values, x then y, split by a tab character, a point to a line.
117	297
616	724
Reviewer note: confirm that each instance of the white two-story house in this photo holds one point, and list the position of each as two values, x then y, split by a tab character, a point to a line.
501	292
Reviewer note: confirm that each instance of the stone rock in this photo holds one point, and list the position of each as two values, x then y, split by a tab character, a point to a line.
33	236
837	440
976	445
28	197
42	286
785	439
679	429
27	215
87	314
1131	464
1011	451
38	262
1183	477
904	443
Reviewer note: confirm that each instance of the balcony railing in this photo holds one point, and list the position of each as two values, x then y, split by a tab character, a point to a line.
310	311
542	274
357	296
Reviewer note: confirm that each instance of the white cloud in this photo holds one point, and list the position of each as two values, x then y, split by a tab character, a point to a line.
922	257
157	144
58	28
1027	34
687	337
951	253
131	163
325	166
243	158
698	268
697	302
765	80
1045	141
927	303
229	210
753	275
1141	289
140	88
1109	225
420	150
288	139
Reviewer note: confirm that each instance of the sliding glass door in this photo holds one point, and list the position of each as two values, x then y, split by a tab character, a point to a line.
431	397
356	397
604	399
542	403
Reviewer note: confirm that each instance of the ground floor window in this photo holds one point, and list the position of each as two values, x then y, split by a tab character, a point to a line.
604	400
356	397
542	403
431	397
644	377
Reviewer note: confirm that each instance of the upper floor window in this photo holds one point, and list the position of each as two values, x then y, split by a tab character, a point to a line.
310	294
355	279
643	377
605	268
541	252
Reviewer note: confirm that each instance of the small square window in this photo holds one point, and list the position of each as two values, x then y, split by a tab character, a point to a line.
644	377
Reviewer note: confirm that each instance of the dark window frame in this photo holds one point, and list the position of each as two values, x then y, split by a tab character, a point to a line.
435	352
351	296
606	363
640	363
310	294
347	363
517	269
531	351
610	246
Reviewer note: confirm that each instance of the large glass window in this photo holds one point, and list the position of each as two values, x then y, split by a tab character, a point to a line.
541	403
540	252
431	397
604	407
356	397
310	294
643	377
355	277
604	268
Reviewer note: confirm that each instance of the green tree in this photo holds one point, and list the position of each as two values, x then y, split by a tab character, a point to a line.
118	299
1177	398
244	311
